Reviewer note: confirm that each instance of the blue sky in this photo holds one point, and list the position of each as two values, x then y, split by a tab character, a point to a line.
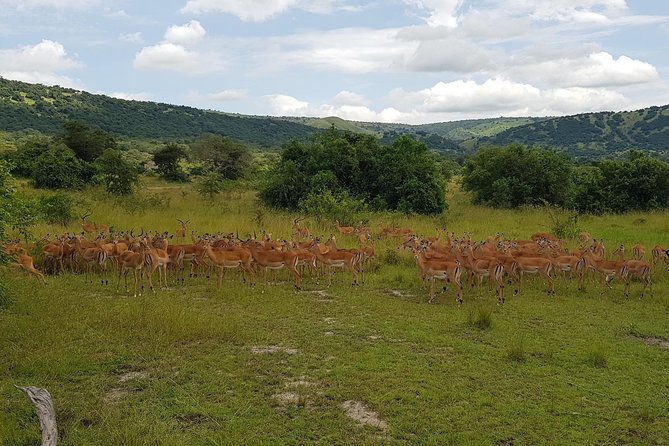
411	61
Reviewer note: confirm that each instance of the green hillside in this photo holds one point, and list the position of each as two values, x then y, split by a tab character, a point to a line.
45	109
594	134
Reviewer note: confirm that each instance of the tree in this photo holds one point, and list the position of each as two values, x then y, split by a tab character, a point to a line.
515	175
403	176
86	142
167	161
59	168
228	158
210	185
119	176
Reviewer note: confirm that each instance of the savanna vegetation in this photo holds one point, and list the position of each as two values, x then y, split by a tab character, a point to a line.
195	364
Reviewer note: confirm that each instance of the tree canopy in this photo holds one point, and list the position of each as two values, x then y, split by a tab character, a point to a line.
402	176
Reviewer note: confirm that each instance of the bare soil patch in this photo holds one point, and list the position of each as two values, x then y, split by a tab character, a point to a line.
662	343
359	412
273	349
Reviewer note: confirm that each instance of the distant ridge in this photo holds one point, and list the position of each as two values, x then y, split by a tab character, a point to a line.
588	135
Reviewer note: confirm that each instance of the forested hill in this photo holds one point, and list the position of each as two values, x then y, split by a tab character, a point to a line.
42	108
593	135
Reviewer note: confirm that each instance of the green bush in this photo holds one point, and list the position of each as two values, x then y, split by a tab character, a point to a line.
515	175
329	206
118	175
57	208
59	168
403	176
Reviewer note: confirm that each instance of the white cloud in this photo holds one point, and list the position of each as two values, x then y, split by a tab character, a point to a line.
186	34
39	63
456	55
283	105
142	96
132	37
246	10
229	95
604	70
440	12
171	57
351	50
345	97
262	10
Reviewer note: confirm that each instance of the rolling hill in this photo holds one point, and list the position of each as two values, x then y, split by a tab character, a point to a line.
591	135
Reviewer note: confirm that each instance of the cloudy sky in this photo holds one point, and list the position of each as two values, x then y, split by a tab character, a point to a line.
411	61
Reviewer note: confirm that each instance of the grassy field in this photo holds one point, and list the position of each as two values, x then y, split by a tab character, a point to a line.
196	365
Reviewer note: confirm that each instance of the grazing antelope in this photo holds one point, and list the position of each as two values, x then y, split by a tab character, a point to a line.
433	269
659	253
182	229
92	255
336	258
344	229
609	269
23	260
132	260
156	258
634	268
299	232
535	265
276	260
638	252
233	257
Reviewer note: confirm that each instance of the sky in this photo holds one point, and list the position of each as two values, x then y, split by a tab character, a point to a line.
405	61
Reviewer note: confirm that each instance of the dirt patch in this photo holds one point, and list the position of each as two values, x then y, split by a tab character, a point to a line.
291	399
300	382
399	293
662	343
329	320
115	394
324	296
359	412
273	349
131	375
328	333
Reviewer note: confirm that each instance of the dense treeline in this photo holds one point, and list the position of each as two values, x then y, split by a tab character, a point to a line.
345	166
517	175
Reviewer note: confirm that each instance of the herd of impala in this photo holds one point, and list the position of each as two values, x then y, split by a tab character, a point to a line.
443	257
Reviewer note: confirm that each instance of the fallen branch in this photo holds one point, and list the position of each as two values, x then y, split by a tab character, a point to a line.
41	399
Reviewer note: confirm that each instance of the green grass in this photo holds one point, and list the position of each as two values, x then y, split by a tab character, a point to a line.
185	366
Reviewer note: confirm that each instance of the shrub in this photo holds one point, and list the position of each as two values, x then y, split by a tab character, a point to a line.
57	208
167	162
210	185
328	206
118	175
515	176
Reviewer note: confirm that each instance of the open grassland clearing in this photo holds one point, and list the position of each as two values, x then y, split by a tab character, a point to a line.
339	365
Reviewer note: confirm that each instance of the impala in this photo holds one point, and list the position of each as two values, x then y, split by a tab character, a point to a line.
156	258
92	255
608	268
535	265
433	269
336	259
634	268
132	260
659	253
224	258
23	260
299	232
182	229
638	252
276	260
344	229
